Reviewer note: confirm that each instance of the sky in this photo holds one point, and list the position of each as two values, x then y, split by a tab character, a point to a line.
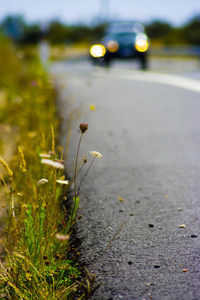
176	12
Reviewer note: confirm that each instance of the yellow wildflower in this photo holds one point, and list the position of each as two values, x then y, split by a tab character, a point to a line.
92	107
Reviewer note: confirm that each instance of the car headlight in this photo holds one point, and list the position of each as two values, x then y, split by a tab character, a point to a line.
97	50
112	46
141	42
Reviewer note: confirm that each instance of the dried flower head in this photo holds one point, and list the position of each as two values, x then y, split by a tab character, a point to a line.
96	154
52	163
83	127
42	181
62	237
62	181
44	155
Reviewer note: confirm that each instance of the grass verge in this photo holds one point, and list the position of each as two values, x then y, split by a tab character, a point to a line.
35	233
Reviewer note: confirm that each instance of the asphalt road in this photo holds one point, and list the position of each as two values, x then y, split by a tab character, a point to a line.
135	199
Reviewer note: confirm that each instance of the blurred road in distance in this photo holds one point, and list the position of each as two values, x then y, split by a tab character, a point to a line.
184	67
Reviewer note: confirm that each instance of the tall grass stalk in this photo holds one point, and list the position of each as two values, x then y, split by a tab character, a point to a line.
38	263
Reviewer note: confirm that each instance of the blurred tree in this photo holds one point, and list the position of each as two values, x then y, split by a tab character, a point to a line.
60	33
159	32
57	32
191	31
158	29
13	27
32	34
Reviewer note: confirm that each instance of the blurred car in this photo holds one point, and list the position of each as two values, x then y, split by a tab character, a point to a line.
122	40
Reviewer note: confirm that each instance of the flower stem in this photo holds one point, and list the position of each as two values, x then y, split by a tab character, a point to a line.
76	163
78	192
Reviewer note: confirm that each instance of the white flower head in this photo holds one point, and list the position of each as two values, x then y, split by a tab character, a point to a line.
62	181
62	237
52	163
44	155
42	181
96	154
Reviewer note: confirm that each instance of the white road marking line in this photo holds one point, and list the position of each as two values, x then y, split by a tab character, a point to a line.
174	80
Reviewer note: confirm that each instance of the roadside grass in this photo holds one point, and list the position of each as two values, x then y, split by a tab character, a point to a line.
71	51
37	261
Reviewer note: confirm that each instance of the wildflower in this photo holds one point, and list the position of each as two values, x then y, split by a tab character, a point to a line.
52	163
42	181
33	83
44	155
92	107
62	181
96	154
52	152
83	127
62	237
6	167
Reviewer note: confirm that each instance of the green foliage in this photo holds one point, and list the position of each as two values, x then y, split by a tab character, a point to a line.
37	264
58	33
191	31
169	35
32	34
158	29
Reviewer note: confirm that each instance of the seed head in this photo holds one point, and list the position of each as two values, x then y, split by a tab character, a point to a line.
44	155
5	165
83	127
62	181
96	154
42	181
52	163
62	237
22	160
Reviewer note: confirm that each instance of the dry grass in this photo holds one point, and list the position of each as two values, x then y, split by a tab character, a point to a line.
36	228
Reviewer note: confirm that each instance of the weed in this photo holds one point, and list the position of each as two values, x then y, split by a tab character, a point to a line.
37	264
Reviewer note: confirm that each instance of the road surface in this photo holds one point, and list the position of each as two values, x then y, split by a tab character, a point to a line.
140	231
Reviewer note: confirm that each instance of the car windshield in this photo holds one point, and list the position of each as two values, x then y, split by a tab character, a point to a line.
121	37
125	27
